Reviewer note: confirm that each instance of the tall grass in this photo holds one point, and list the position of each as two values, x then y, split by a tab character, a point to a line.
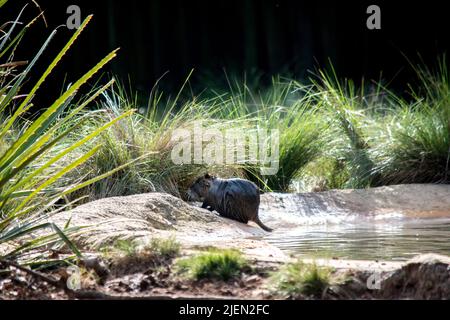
148	136
416	147
332	134
290	108
378	138
352	117
287	108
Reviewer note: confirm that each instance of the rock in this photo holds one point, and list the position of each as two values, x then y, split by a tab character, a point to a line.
251	278
144	216
412	200
423	277
159	213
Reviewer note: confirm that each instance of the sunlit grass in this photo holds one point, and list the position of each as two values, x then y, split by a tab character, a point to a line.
165	248
213	264
298	279
127	256
332	135
35	157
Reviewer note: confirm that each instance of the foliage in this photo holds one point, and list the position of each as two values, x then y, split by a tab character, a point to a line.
213	264
165	248
298	279
33	159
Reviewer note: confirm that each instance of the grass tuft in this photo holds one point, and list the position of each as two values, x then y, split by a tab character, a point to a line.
35	156
213	264
165	248
299	279
126	256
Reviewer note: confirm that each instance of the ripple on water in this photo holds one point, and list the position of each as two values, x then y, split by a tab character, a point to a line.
389	237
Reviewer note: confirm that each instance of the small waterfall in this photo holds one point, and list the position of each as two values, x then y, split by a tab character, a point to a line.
392	222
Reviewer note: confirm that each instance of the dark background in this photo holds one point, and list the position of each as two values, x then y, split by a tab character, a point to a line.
258	37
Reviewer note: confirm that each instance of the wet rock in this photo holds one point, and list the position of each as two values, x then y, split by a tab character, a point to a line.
412	200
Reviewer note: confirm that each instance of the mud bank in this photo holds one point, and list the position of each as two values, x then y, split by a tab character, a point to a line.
423	277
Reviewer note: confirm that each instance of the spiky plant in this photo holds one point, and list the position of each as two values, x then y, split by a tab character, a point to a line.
31	160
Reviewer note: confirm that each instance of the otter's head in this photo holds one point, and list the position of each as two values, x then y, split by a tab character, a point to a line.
200	188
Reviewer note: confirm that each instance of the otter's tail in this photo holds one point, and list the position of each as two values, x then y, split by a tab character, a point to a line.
262	225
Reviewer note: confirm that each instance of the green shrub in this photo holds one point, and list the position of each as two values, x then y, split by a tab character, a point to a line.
32	171
126	247
213	264
146	136
165	248
300	279
379	138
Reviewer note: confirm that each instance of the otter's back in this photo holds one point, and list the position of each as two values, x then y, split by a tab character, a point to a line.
240	199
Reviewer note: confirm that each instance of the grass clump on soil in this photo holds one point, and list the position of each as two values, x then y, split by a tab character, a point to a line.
165	248
125	257
128	256
158	248
299	279
213	264
127	248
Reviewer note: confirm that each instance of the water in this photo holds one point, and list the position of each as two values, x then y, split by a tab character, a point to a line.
393	237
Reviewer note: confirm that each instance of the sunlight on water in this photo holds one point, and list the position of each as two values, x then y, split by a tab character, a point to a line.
385	238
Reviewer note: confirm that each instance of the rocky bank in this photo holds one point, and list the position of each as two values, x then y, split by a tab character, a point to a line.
145	216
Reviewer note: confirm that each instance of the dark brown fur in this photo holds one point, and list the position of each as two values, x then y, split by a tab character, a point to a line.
236	199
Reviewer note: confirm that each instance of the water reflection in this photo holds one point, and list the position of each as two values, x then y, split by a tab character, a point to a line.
387	239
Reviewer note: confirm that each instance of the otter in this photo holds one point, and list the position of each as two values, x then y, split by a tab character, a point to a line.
236	199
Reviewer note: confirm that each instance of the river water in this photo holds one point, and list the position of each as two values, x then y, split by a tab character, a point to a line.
391	238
